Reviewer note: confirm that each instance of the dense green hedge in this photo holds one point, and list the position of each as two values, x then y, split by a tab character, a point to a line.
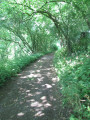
74	74
11	68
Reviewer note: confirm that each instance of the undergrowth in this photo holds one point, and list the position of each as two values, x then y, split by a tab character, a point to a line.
74	74
10	68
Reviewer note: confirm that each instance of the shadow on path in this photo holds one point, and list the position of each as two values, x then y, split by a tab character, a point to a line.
33	94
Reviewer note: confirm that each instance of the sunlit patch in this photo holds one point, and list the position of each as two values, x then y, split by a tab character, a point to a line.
37	93
30	84
32	100
31	75
48	86
48	74
40	80
44	101
43	85
40	109
40	66
20	114
27	91
18	83
30	94
36	104
23	77
43	98
47	69
36	88
35	65
34	75
54	79
53	84
47	105
38	71
39	113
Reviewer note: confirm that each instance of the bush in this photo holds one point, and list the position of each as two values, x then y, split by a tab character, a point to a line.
74	74
11	68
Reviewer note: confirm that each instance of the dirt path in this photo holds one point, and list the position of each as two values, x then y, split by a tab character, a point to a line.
33	95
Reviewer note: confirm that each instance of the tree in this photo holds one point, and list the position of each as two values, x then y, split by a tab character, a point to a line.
70	17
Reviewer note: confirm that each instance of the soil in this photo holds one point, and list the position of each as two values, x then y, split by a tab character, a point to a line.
34	94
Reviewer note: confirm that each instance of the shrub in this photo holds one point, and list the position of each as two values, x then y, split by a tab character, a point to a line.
11	68
74	74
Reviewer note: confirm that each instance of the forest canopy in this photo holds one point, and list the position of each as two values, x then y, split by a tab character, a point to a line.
36	25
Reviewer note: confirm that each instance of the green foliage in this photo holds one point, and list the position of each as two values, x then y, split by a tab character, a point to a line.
74	74
37	25
61	54
54	47
12	67
34	26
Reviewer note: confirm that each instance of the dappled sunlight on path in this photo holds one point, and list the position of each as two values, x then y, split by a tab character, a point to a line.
33	94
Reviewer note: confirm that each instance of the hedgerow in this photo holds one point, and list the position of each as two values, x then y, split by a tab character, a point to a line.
74	74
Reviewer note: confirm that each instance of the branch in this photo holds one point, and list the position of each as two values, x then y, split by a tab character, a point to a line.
18	34
47	2
10	41
22	5
14	42
47	14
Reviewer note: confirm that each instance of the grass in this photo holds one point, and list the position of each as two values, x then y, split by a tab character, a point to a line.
74	74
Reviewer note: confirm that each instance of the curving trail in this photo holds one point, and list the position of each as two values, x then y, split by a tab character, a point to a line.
33	94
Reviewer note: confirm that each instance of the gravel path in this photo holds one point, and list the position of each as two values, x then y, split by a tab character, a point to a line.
33	94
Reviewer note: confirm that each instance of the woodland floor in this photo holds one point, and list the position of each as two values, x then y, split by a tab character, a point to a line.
33	94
